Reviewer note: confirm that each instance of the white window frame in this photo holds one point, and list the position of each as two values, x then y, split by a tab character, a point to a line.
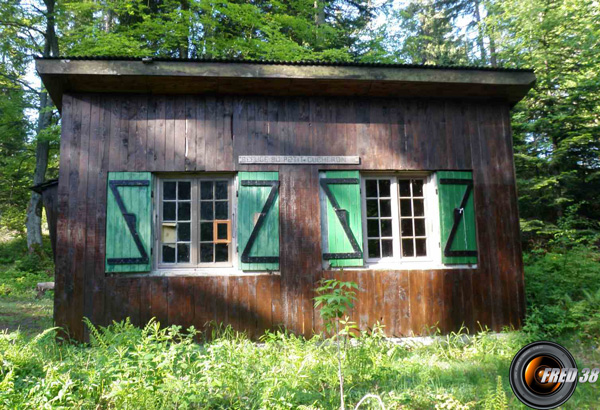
432	223
198	267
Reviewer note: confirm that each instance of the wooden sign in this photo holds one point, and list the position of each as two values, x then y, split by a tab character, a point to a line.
298	159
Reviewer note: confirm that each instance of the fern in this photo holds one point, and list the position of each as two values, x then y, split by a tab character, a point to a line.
496	400
97	339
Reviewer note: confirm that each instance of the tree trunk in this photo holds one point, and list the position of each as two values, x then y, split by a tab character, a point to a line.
33	222
184	42
479	32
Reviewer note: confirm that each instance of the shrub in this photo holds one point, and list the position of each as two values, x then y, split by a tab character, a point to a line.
562	291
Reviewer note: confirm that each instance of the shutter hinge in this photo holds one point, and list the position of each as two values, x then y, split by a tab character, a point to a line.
436	191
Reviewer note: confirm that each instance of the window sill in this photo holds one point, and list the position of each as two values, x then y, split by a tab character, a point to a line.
425	265
199	272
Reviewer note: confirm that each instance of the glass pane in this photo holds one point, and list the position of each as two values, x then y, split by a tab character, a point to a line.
183	232
222	231
221	190
421	247
206	190
168	211
183	211
406	227
168	252
417	187
419	227
221	252
371	185
184	191
408	248
221	210
206	211
404	187
373	245
372	228
372	207
385	206
386	227
183	252
384	188
387	248
206	232
418	207
169	188
405	207
206	252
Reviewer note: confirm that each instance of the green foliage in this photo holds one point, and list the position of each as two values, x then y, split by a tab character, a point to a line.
496	400
154	368
563	293
334	298
20	272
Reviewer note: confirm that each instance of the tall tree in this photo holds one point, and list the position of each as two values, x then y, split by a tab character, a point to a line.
33	222
556	128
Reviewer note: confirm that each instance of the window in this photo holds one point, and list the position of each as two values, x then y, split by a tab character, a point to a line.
397	225
194	222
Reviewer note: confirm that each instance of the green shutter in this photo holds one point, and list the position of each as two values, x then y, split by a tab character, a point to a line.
129	222
341	189
258	220
457	212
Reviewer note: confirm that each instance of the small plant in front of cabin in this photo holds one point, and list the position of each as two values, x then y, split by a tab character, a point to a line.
335	298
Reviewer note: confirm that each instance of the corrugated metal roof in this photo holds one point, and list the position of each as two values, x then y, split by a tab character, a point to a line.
298	63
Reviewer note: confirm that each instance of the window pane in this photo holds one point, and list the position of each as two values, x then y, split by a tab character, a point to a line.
408	248
221	210
406	227
183	232
418	207
221	190
206	190
168	252
419	227
421	247
206	231
221	252
417	187
387	248
169	189
371	185
222	231
373	245
183	211
206	252
372	228
206	211
372	208
384	188
404	187
184	190
385	206
386	227
183	252
405	207
168	211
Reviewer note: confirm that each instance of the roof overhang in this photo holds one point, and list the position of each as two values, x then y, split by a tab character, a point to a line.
200	77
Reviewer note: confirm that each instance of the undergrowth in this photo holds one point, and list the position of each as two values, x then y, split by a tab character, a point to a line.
129	368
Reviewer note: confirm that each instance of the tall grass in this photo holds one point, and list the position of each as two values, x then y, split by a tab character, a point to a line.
152	368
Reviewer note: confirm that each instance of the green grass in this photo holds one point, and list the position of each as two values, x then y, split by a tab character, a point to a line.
129	368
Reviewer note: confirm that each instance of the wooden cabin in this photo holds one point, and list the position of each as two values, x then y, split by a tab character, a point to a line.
205	190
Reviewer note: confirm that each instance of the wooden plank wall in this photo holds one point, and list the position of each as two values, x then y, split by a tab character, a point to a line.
104	133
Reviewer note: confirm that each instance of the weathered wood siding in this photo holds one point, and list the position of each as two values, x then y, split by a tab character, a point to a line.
104	133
